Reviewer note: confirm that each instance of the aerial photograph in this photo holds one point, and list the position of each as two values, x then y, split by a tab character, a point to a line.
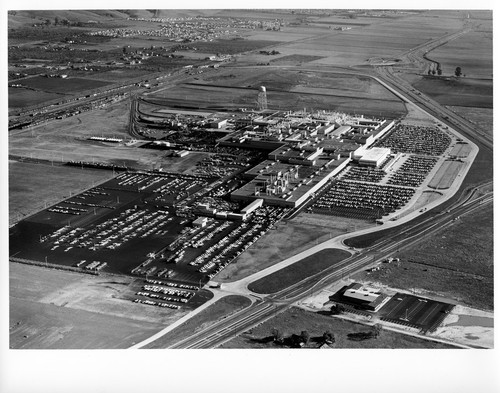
250	179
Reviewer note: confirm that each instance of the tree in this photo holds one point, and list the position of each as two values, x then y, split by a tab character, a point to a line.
337	309
304	335
277	335
377	328
56	20
328	337
458	71
439	71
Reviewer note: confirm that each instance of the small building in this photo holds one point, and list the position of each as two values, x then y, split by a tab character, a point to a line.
200	222
218	123
182	153
361	297
252	206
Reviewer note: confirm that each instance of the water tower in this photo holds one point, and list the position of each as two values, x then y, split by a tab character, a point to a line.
262	98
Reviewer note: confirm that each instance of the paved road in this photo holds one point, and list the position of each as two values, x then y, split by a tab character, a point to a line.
234	325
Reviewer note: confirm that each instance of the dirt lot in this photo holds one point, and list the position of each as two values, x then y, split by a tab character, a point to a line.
58	309
295	320
457	263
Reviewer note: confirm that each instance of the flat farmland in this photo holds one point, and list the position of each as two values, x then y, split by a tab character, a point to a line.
383	38
63	85
287	34
481	117
119	74
20	98
232	46
452	91
473	52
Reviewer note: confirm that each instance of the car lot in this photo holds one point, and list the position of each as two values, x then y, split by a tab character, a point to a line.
139	224
416	139
361	200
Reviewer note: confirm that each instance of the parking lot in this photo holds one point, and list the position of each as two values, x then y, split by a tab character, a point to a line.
140	224
416	139
415	312
361	200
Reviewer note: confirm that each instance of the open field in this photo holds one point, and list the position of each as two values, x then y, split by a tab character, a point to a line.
45	326
220	309
306	230
472	52
298	271
19	98
379	38
295	320
62	86
481	117
445	176
28	189
457	263
59	309
235	88
452	91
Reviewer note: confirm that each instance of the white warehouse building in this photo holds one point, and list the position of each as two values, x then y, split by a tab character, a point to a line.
371	157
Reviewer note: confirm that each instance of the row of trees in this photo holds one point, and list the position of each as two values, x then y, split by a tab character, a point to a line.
439	71
298	341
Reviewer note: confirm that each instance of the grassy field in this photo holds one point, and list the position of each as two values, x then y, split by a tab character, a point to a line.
298	271
472	52
446	174
464	92
220	309
481	117
20	98
63	86
288	239
295	320
28	189
373	39
456	263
